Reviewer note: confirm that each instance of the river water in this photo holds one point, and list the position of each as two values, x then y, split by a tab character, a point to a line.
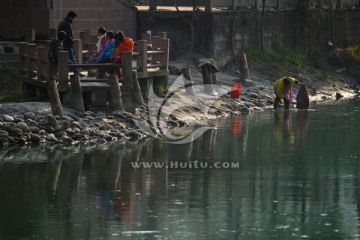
268	175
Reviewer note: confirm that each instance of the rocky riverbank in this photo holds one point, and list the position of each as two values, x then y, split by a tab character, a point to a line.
32	122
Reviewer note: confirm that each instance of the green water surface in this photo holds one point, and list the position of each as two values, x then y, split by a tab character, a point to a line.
295	175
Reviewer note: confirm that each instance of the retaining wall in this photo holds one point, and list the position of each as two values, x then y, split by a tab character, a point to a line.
221	34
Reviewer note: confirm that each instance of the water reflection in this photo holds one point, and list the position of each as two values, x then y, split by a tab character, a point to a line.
283	125
305	187
302	123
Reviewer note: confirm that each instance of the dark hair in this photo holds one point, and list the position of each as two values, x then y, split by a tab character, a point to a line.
61	35
110	34
287	82
72	14
101	30
120	36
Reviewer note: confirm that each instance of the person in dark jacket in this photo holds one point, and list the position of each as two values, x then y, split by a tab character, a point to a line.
68	44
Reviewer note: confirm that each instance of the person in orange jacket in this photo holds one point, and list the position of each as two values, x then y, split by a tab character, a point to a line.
122	44
125	44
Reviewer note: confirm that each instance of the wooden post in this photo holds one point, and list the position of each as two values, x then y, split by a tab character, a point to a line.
76	92
205	71
54	97
233	5
78	47
100	73
42	64
85	37
63	70
115	93
136	90
146	36
153	5
243	66
277	4
24	59
164	59
30	35
94	38
188	83
338	4
162	34
142	58
32	60
126	68
52	33
91	49
156	43
319	4
208	5
213	74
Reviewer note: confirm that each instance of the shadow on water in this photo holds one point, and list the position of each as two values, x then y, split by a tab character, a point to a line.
292	178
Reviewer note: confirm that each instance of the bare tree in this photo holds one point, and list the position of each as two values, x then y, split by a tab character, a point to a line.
190	22
338	4
303	5
262	26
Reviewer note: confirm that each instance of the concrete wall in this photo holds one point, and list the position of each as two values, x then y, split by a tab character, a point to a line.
247	3
95	13
16	16
220	34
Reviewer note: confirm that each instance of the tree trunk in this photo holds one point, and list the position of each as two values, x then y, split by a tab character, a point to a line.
262	26
338	4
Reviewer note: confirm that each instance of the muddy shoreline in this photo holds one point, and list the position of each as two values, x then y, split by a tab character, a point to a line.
31	122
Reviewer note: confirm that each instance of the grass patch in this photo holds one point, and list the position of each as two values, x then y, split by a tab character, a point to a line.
285	57
353	54
10	85
13	95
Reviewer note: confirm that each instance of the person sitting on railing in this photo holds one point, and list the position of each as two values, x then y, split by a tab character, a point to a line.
105	55
102	41
122	44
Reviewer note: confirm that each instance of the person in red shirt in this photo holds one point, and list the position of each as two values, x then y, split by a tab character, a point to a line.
102	41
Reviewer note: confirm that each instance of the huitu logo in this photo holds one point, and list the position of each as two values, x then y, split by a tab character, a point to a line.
161	110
